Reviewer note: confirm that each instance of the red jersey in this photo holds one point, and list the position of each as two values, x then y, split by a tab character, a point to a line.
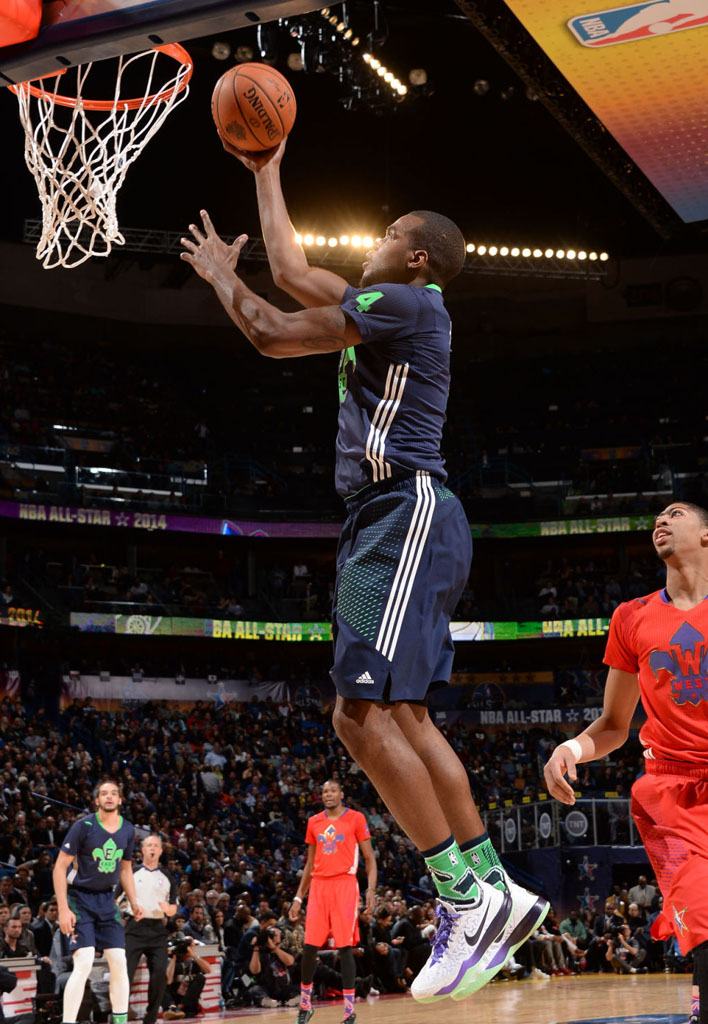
336	842
668	647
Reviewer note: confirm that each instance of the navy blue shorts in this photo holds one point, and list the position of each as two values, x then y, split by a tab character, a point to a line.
402	563
98	920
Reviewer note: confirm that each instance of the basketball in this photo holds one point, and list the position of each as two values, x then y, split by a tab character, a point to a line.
253	107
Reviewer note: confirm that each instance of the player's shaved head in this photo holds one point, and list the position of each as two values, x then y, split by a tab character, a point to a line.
442	240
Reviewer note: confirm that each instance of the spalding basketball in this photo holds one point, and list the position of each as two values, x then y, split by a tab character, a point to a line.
253	106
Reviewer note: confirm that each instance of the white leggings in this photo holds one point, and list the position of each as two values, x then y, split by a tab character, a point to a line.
119	986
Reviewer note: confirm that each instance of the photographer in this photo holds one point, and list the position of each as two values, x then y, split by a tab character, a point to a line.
269	966
623	952
185	977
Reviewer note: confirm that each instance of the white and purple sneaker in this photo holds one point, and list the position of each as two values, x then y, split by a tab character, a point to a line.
527	912
467	937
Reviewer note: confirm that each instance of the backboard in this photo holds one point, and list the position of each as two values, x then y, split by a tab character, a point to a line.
76	31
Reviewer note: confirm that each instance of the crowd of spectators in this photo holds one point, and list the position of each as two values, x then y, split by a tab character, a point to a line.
244	776
217	582
200	450
215	585
593	588
230	793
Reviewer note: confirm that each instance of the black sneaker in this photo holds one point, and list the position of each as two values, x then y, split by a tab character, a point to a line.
351	1019
363	986
303	1016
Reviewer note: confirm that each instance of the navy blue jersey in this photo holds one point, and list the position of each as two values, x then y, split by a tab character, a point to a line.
97	853
393	388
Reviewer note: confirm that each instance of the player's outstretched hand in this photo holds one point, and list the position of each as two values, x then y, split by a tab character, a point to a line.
256	161
67	922
561	762
209	254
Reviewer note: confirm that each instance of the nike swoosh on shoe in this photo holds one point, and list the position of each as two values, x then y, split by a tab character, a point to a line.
482	936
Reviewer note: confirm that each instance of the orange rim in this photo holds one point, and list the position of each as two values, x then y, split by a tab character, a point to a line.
173	50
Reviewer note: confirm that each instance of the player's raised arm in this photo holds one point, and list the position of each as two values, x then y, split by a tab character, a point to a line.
274	333
312	286
605	734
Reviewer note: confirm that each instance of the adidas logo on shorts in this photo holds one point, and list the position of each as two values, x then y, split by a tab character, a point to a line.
365	679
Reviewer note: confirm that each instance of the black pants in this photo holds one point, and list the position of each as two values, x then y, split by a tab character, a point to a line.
148	937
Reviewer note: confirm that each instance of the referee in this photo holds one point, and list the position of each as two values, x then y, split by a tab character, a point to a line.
156	893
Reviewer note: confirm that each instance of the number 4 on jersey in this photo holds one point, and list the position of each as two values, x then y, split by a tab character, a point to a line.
366	301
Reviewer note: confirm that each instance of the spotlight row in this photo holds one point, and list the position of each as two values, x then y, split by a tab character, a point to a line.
526	252
340	26
355	241
367	241
388	76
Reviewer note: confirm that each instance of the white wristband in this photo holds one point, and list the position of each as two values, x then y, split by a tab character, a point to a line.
574	747
297	898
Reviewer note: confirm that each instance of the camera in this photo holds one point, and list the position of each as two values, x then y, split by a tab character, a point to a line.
263	937
179	943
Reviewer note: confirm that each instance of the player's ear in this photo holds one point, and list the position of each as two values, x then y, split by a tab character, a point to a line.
418	259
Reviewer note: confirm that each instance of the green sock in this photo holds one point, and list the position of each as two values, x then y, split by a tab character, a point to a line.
119	1018
453	878
480	855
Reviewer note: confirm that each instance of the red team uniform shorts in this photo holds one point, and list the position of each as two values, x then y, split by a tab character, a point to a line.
670	808
333	910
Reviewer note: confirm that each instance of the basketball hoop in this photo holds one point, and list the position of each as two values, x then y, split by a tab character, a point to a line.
79	150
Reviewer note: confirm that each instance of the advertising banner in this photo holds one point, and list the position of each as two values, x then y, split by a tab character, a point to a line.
241	629
167	522
162	522
564	527
217	629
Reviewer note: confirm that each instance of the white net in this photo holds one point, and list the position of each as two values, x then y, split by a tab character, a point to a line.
79	155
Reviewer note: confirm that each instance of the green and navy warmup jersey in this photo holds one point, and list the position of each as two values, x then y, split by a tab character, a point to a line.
393	388
97	853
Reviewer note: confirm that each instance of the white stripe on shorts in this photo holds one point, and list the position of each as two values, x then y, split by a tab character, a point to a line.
418	530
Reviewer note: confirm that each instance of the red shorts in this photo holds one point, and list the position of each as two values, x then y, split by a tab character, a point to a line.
670	808
333	909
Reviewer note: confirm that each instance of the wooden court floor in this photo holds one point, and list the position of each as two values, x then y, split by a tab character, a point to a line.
597	997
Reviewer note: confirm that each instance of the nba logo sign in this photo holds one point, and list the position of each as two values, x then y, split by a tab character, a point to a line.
638	21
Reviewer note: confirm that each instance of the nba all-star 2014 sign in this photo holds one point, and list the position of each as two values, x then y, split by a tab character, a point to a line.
241	629
218	629
643	74
158	522
161	522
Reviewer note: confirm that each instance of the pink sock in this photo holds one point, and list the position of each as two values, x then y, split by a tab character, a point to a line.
306	996
348	994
